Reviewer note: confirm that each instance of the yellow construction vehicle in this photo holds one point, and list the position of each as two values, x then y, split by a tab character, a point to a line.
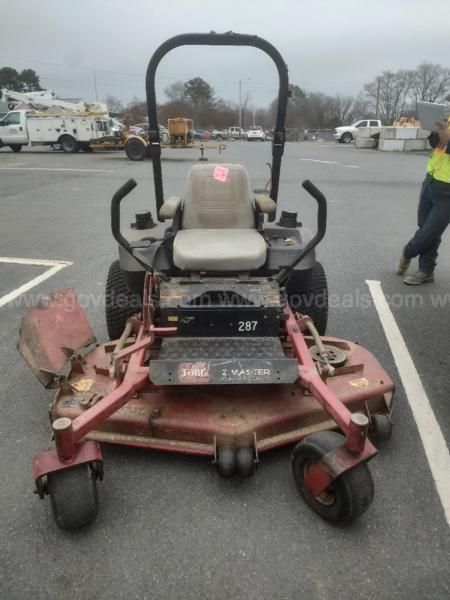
179	134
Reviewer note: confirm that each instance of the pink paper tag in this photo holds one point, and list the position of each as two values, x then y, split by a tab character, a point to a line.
221	173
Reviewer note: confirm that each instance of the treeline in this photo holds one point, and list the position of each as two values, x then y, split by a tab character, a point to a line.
23	81
390	96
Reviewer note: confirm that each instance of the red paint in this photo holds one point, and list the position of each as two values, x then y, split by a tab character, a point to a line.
193	419
49	462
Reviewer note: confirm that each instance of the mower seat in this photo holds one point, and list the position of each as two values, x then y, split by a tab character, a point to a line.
218	223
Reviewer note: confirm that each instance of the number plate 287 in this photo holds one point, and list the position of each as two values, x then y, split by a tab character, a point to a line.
247	325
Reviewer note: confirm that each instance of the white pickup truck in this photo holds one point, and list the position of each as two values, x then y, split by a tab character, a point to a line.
347	133
72	132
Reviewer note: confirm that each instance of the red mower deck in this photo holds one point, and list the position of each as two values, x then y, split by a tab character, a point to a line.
195	419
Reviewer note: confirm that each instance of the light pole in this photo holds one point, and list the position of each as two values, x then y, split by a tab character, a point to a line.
240	102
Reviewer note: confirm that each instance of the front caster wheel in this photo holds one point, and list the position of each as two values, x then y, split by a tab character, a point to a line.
245	461
380	429
226	461
350	494
73	495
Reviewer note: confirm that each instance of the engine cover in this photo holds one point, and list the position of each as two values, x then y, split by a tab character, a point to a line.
213	307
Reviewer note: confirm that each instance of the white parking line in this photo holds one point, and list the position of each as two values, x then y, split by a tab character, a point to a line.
430	433
330	162
55	169
323	162
55	266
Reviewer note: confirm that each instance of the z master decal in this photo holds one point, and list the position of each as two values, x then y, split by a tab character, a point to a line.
239	374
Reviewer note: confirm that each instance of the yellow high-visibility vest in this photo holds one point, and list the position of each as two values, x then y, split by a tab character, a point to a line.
439	164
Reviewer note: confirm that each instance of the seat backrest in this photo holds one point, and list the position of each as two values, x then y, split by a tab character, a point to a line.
210	203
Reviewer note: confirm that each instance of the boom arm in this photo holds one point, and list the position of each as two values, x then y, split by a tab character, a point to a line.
46	98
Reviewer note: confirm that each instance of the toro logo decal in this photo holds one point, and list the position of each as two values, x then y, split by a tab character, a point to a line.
190	373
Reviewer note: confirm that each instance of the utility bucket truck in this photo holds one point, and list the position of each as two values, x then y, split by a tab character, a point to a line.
39	118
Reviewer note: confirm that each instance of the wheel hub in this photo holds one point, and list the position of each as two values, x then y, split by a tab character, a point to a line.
327	497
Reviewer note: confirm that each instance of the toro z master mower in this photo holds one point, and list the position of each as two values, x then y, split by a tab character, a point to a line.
222	354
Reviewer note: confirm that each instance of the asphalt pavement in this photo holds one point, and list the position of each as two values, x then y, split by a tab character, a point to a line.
169	528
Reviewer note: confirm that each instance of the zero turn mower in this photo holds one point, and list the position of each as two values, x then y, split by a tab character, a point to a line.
217	348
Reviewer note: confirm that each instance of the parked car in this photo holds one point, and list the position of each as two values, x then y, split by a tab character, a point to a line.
256	133
138	129
142	129
219	134
235	133
201	134
347	133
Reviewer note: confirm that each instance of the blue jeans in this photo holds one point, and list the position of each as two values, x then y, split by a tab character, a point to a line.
433	218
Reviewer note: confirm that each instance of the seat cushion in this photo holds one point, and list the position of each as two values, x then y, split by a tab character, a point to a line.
210	203
219	250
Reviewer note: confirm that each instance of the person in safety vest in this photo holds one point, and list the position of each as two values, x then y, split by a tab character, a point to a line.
433	212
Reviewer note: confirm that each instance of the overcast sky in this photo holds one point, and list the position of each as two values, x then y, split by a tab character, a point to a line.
332	46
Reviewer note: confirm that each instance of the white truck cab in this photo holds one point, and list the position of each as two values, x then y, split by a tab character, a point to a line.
347	133
13	131
235	132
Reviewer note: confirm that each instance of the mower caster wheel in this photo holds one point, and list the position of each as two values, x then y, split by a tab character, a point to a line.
245	461
350	494
380	429
226	461
73	495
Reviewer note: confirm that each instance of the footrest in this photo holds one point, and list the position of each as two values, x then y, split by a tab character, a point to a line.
220	361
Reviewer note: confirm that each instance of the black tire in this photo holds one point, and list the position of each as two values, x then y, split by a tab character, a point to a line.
245	461
351	493
346	138
311	298
219	138
164	137
380	429
69	144
135	150
120	302
226	461
16	147
73	495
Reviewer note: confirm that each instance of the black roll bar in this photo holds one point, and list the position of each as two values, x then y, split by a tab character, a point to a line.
216	39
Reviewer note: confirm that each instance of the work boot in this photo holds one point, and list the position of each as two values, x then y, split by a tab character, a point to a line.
418	278
403	265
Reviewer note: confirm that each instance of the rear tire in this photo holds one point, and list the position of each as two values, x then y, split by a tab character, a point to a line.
312	299
135	150
120	302
346	138
69	144
16	147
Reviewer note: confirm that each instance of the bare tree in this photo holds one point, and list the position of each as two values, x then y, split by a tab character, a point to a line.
175	92
136	111
114	104
342	108
388	94
430	83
